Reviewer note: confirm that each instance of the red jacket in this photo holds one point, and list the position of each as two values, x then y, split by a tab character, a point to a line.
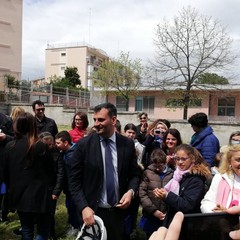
77	134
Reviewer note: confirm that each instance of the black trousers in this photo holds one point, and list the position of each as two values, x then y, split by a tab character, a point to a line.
114	222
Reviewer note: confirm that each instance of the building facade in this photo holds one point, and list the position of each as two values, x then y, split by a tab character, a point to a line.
10	40
83	56
220	103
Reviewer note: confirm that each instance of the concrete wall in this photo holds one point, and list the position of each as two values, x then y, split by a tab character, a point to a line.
64	116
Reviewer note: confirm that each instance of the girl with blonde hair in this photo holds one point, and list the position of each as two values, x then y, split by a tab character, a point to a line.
224	191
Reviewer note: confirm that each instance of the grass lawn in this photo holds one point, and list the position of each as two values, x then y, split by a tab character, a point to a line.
61	224
63	127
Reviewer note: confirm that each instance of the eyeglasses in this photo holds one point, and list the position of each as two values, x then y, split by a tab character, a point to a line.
40	109
141	118
181	159
157	131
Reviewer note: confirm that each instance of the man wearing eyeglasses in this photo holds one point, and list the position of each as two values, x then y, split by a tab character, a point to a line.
44	124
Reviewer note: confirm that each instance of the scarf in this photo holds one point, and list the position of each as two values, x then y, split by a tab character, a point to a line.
173	185
224	191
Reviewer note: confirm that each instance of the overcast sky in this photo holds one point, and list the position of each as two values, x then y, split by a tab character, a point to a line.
111	25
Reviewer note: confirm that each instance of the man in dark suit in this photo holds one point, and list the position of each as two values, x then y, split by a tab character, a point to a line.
88	179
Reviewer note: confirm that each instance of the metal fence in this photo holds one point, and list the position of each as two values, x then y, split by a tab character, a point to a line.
71	98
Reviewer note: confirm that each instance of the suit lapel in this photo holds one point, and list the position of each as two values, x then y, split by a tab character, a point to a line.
120	153
96	151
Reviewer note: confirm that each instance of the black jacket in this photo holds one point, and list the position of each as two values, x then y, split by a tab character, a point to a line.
47	125
29	183
191	192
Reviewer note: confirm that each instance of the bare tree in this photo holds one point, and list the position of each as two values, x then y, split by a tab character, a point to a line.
187	47
122	76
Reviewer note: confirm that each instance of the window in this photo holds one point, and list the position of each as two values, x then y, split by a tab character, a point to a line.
62	68
179	103
226	106
121	103
145	104
63	54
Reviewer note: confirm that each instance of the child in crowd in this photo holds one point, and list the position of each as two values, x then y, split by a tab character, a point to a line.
64	144
58	177
157	175
186	189
224	191
130	131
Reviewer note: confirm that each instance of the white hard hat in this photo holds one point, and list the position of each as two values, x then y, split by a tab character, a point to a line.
95	232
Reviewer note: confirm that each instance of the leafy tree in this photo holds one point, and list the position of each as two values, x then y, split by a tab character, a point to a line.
71	75
12	82
121	76
211	78
186	48
60	84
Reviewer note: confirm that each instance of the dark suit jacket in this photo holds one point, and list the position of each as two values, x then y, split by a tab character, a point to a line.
87	174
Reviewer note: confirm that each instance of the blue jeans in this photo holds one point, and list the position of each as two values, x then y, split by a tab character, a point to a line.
28	221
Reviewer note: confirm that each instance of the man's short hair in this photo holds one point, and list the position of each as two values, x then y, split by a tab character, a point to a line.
64	136
199	120
37	102
142	113
112	110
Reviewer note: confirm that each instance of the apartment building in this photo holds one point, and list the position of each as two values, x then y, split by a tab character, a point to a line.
10	39
83	56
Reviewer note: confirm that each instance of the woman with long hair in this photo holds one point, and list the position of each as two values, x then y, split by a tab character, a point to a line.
187	187
28	173
171	139
79	126
154	139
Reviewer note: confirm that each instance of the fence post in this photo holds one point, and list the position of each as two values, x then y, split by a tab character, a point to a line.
51	94
67	96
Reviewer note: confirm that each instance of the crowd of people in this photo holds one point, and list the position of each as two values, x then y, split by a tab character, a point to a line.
112	174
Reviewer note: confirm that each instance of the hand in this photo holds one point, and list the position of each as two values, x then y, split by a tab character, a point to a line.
219	208
152	132
234	210
173	232
126	199
143	128
2	136
54	197
170	158
88	216
160	215
160	193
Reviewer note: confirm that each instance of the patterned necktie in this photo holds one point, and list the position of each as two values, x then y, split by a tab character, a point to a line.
110	186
